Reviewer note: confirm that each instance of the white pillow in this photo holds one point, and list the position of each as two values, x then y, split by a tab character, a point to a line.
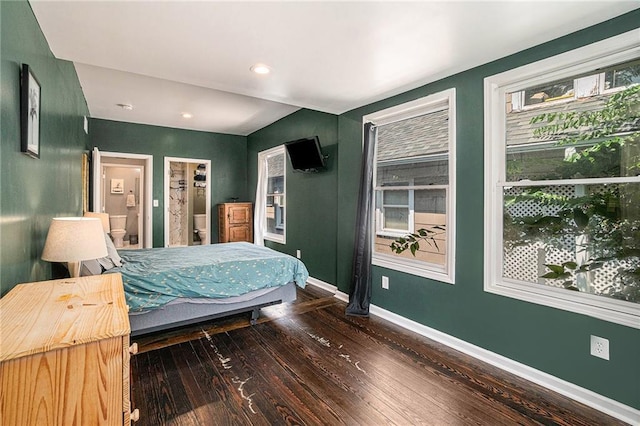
113	255
97	266
90	267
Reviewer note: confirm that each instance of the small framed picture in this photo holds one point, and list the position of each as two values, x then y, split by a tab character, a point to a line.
30	112
117	186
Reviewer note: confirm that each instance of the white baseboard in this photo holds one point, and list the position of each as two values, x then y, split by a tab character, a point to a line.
585	396
323	285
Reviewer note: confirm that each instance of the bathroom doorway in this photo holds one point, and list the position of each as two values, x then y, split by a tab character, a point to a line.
187	201
122	188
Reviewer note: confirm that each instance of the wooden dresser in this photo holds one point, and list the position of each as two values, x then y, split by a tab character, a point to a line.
235	221
64	353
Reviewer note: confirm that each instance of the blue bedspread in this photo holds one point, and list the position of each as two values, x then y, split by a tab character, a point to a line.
154	277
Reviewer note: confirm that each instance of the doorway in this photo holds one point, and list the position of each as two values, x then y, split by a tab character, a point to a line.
122	187
187	201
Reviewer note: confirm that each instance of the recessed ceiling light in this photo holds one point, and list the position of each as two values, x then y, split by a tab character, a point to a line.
127	107
186	115
261	69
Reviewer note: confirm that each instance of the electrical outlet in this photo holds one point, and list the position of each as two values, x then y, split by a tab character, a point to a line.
298	254
600	347
385	282
155	203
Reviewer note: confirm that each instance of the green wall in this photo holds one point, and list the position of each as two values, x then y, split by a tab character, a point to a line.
35	190
311	211
228	155
550	340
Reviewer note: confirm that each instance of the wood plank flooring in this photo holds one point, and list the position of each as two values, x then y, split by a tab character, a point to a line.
306	363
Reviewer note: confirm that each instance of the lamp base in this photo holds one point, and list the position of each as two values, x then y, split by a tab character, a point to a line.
74	269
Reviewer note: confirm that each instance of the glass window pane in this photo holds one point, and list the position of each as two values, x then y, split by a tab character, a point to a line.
571	162
414	149
275	206
396	218
429	215
549	92
622	76
580	237
275	165
430	201
396	198
592	137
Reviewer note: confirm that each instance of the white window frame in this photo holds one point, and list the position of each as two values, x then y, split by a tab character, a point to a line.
381	225
608	52
432	103
264	156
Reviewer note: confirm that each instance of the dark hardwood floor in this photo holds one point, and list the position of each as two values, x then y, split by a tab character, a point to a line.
306	363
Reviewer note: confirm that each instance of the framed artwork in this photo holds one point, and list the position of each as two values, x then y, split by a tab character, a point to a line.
117	186
30	112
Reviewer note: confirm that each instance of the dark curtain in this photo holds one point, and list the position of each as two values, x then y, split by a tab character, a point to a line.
360	295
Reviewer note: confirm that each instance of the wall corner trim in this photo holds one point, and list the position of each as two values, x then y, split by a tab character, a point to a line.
594	400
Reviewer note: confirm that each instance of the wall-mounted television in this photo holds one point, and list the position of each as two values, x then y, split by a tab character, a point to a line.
306	154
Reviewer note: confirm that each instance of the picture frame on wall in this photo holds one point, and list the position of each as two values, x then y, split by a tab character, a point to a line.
117	186
30	107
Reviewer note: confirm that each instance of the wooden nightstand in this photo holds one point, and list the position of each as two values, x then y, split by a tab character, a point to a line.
64	353
235	222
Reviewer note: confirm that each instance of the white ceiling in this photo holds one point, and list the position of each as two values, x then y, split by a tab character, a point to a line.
170	57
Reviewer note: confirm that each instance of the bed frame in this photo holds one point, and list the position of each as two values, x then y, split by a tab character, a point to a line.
183	312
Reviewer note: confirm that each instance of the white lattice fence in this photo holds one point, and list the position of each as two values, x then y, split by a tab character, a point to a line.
526	263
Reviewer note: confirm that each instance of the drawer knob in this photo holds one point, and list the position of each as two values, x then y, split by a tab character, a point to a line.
133	349
135	415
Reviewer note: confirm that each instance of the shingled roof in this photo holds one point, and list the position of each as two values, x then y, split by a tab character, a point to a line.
414	137
275	165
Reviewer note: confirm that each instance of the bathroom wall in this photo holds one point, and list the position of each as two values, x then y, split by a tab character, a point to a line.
197	201
178	204
115	204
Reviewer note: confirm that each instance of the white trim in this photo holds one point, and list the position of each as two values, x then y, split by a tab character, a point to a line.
264	156
410	266
323	285
344	297
584	181
444	100
611	51
568	389
592	399
167	183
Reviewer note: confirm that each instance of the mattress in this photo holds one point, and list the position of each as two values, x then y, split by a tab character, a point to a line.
153	278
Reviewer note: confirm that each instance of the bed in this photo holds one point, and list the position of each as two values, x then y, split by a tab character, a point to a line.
170	287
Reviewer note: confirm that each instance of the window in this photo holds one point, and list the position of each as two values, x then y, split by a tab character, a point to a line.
414	185
275	203
562	196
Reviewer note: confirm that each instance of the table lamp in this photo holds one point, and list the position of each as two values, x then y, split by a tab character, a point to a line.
74	239
104	217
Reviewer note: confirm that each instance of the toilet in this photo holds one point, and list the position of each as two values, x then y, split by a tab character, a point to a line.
200	227
118	224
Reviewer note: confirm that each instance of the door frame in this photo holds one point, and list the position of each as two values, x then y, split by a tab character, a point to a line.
167	183
98	157
141	189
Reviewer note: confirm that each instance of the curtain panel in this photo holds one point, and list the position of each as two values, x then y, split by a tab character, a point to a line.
360	294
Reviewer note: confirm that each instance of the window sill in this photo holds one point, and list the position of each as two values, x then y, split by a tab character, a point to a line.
612	310
412	267
275	238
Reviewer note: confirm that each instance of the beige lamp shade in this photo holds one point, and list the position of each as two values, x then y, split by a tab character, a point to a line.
74	239
104	217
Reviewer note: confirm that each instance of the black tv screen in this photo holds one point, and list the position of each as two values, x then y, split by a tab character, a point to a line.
305	154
